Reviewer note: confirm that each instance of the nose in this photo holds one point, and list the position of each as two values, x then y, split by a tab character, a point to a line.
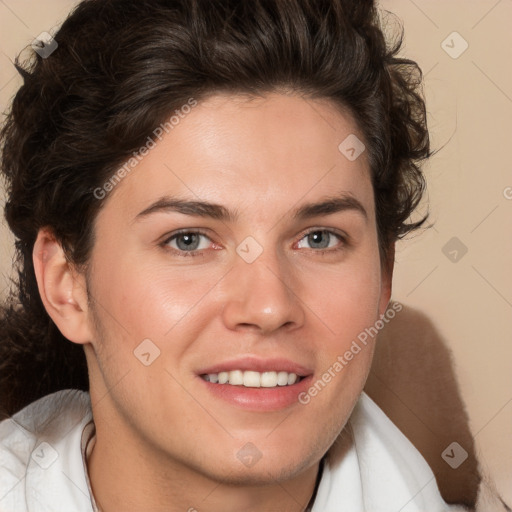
262	295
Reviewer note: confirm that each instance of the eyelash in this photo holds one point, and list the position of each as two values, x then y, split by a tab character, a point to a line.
198	252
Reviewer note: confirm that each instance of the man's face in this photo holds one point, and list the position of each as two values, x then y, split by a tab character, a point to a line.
256	293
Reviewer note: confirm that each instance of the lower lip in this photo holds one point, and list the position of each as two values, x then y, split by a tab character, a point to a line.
259	399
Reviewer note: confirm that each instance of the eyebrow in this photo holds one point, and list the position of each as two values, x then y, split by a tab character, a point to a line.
327	206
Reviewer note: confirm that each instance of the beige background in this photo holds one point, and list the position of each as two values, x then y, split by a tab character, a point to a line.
469	99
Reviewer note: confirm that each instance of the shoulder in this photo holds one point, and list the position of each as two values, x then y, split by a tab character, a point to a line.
374	432
50	417
393	475
31	438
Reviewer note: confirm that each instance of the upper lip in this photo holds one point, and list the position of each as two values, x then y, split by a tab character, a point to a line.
258	365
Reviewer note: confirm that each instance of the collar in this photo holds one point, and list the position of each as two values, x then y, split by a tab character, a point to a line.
371	466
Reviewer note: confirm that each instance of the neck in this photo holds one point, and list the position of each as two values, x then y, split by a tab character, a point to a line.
125	477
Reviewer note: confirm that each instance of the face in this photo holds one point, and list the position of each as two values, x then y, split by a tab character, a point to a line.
211	263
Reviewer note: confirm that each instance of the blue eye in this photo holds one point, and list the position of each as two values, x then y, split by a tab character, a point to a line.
322	239
187	242
192	243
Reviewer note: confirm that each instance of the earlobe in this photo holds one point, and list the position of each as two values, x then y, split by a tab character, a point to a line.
62	290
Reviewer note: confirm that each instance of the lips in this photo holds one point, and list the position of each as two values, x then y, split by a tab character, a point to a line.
251	364
256	384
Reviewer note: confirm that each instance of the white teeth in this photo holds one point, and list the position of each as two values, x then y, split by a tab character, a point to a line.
252	379
282	378
268	379
236	377
291	378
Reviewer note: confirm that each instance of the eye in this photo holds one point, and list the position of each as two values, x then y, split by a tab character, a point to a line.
187	242
323	239
191	243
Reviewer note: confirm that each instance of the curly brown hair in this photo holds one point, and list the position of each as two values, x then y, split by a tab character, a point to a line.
121	67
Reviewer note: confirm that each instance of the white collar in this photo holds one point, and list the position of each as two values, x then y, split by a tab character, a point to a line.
372	466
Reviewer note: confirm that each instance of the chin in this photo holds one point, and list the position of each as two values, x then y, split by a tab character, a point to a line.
266	472
249	466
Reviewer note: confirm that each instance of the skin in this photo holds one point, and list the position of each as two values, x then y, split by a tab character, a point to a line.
162	441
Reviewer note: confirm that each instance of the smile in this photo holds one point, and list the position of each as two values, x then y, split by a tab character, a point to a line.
252	379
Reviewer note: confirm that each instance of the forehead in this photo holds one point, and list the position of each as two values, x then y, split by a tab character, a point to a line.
266	153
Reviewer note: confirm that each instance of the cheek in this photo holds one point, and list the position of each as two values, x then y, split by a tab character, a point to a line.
151	300
346	301
347	305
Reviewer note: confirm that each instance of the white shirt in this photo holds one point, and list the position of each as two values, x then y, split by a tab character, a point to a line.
372	467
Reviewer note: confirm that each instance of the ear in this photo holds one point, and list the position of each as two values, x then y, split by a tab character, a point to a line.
387	280
62	289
